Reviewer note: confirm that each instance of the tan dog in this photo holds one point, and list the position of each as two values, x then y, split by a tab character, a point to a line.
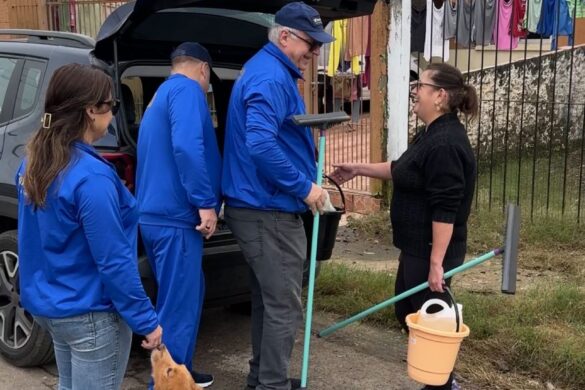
169	375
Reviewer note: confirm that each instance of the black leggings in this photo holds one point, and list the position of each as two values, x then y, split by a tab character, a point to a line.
413	271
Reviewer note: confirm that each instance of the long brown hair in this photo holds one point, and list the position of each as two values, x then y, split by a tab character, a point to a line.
72	89
461	97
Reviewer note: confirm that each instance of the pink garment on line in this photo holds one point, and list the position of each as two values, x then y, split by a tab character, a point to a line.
502	33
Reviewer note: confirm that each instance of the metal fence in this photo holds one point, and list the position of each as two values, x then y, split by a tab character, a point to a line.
342	78
79	16
529	134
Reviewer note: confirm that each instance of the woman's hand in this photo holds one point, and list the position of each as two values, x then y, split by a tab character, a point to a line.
344	172
436	281
153	340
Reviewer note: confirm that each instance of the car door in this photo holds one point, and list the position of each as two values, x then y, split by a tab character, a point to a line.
24	115
10	68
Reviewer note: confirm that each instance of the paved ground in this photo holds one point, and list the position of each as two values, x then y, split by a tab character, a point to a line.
358	357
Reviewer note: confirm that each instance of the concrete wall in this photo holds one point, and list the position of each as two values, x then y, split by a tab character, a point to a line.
528	101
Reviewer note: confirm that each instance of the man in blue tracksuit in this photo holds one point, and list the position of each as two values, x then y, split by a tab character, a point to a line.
178	191
269	169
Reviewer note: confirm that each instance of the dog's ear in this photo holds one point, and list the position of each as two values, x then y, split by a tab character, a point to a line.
170	372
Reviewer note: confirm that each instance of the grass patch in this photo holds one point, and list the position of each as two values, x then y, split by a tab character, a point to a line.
538	333
345	291
546	244
375	224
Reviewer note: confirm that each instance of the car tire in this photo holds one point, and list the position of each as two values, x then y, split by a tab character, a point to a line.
23	342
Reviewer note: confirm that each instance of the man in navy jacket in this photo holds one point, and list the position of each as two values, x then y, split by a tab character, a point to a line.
178	191
268	175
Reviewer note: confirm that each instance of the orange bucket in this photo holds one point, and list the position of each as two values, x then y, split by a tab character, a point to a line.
432	353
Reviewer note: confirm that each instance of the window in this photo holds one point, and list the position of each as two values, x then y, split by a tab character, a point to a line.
7	66
28	90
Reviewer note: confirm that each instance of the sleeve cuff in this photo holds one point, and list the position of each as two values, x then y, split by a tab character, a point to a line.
306	189
444	216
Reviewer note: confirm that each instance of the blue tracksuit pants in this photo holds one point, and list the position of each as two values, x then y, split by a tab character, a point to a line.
175	258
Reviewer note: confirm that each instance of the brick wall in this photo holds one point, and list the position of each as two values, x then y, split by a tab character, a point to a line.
4	14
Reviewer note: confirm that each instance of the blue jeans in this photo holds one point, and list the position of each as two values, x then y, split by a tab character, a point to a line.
91	350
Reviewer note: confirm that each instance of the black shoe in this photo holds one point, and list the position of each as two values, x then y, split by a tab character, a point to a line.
203	380
295	384
454	386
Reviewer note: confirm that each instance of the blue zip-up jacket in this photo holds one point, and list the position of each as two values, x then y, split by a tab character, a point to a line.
78	254
179	165
269	162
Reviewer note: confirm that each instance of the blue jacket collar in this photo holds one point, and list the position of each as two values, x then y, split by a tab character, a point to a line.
182	76
274	51
89	149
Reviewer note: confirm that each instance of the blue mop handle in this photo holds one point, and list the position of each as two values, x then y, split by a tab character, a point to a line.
312	266
470	264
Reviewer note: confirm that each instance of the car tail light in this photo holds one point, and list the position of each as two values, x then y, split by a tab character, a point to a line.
125	166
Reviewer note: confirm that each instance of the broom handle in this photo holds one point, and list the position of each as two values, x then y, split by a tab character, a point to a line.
312	266
464	267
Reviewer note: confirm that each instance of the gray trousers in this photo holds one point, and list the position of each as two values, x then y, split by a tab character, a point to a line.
274	245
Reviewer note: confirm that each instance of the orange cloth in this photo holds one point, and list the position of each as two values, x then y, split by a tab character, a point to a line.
357	36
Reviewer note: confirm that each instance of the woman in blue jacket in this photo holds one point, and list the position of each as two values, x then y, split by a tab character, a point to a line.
77	237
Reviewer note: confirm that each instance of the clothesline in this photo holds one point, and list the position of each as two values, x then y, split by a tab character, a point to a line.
435	23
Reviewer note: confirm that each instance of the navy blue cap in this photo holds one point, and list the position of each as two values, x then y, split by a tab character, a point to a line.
300	16
194	50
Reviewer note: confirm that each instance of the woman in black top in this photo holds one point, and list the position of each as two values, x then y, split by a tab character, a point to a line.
434	182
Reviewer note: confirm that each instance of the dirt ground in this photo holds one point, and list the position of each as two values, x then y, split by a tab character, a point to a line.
358	357
380	255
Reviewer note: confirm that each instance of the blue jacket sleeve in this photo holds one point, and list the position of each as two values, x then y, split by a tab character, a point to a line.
187	115
266	109
99	214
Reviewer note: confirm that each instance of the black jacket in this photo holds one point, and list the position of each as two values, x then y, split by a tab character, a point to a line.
433	180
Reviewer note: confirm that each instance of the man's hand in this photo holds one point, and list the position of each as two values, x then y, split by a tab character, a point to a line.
153	339
208	222
316	199
436	281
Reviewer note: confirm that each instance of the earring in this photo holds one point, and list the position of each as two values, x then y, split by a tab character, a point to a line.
437	107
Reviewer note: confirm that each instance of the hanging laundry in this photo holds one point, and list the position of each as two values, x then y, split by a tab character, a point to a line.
579	12
418	24
323	59
465	8
357	36
450	19
563	24
366	76
502	33
435	44
518	12
484	18
337	48
533	15
555	19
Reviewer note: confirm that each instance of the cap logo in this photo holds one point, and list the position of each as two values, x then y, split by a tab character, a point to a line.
317	21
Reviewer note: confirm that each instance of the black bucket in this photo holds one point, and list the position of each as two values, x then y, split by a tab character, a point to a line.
328	225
